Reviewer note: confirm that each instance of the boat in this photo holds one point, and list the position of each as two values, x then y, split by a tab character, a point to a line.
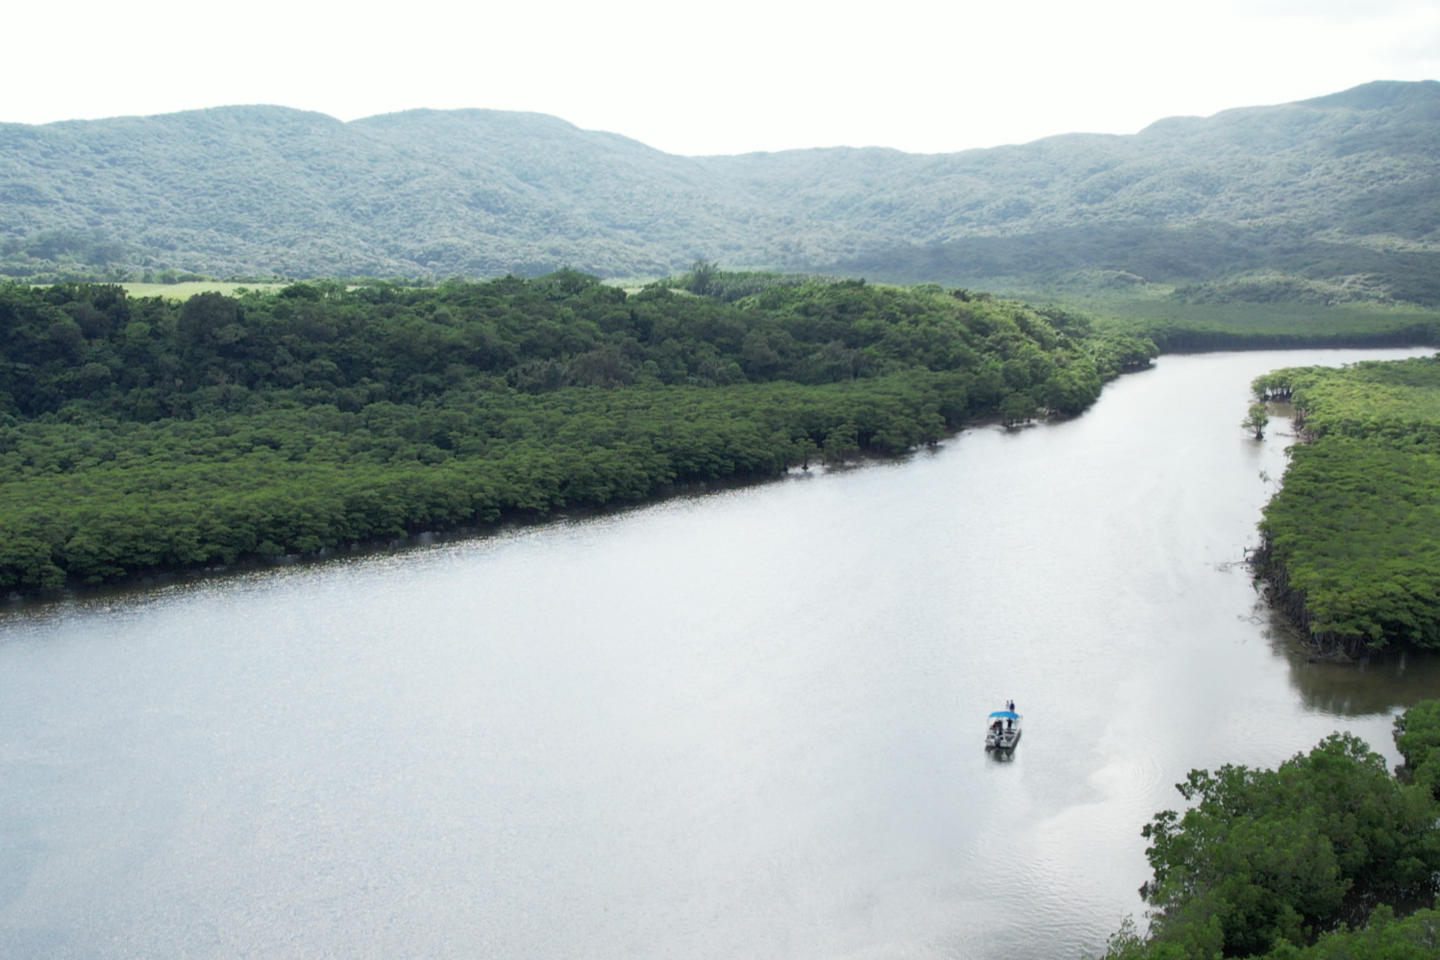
1002	730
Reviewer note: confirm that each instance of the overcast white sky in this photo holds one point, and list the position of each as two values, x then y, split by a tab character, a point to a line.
697	78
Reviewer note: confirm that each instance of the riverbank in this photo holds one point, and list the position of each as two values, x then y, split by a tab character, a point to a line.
360	550
508	522
145	437
1350	543
1176	326
1276	864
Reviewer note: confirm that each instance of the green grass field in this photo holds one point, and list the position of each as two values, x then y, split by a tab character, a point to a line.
1176	326
184	291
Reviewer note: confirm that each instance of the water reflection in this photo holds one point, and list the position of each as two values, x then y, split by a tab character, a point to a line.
1381	684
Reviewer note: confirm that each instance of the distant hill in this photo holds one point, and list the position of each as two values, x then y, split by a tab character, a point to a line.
1332	199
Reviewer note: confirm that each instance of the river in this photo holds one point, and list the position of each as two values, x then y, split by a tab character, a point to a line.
746	723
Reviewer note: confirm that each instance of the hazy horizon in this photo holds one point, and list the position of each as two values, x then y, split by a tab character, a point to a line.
622	133
751	78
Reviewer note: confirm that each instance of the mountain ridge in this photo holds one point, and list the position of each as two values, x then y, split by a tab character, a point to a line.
1304	188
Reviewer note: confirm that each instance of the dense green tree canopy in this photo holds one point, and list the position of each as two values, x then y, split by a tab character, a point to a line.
1351	542
141	434
1283	863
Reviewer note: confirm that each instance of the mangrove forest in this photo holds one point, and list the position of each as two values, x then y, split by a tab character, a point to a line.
141	434
1350	544
1321	858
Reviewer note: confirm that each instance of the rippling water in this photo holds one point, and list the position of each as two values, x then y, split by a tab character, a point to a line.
741	724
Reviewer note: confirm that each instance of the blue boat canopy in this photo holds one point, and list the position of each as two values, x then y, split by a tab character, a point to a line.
1006	714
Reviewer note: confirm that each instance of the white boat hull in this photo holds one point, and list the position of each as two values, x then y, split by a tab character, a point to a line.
1005	740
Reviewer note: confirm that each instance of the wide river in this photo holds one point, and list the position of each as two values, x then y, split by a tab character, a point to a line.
742	724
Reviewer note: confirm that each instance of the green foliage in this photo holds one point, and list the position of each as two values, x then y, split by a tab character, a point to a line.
1017	408
1266	862
1416	937
1214	263
144	434
1324	201
1257	418
701	277
1272	286
1417	736
1177	327
1351	542
707	279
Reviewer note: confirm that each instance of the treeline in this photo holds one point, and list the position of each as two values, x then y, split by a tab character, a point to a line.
1310	861
707	279
1173	337
1180	327
140	434
1350	544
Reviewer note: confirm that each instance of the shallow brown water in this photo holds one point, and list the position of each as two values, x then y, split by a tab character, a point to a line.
744	724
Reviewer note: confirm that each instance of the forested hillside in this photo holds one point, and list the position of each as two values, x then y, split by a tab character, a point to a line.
1326	200
145	434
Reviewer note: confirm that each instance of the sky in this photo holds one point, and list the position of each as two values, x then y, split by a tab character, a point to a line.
730	77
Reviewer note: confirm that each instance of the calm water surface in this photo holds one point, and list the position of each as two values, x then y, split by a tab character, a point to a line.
745	724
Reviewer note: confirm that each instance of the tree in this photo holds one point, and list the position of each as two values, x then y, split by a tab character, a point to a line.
165	435
1017	408
805	450
204	314
841	443
1270	856
1417	736
702	275
1382	938
1256	419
